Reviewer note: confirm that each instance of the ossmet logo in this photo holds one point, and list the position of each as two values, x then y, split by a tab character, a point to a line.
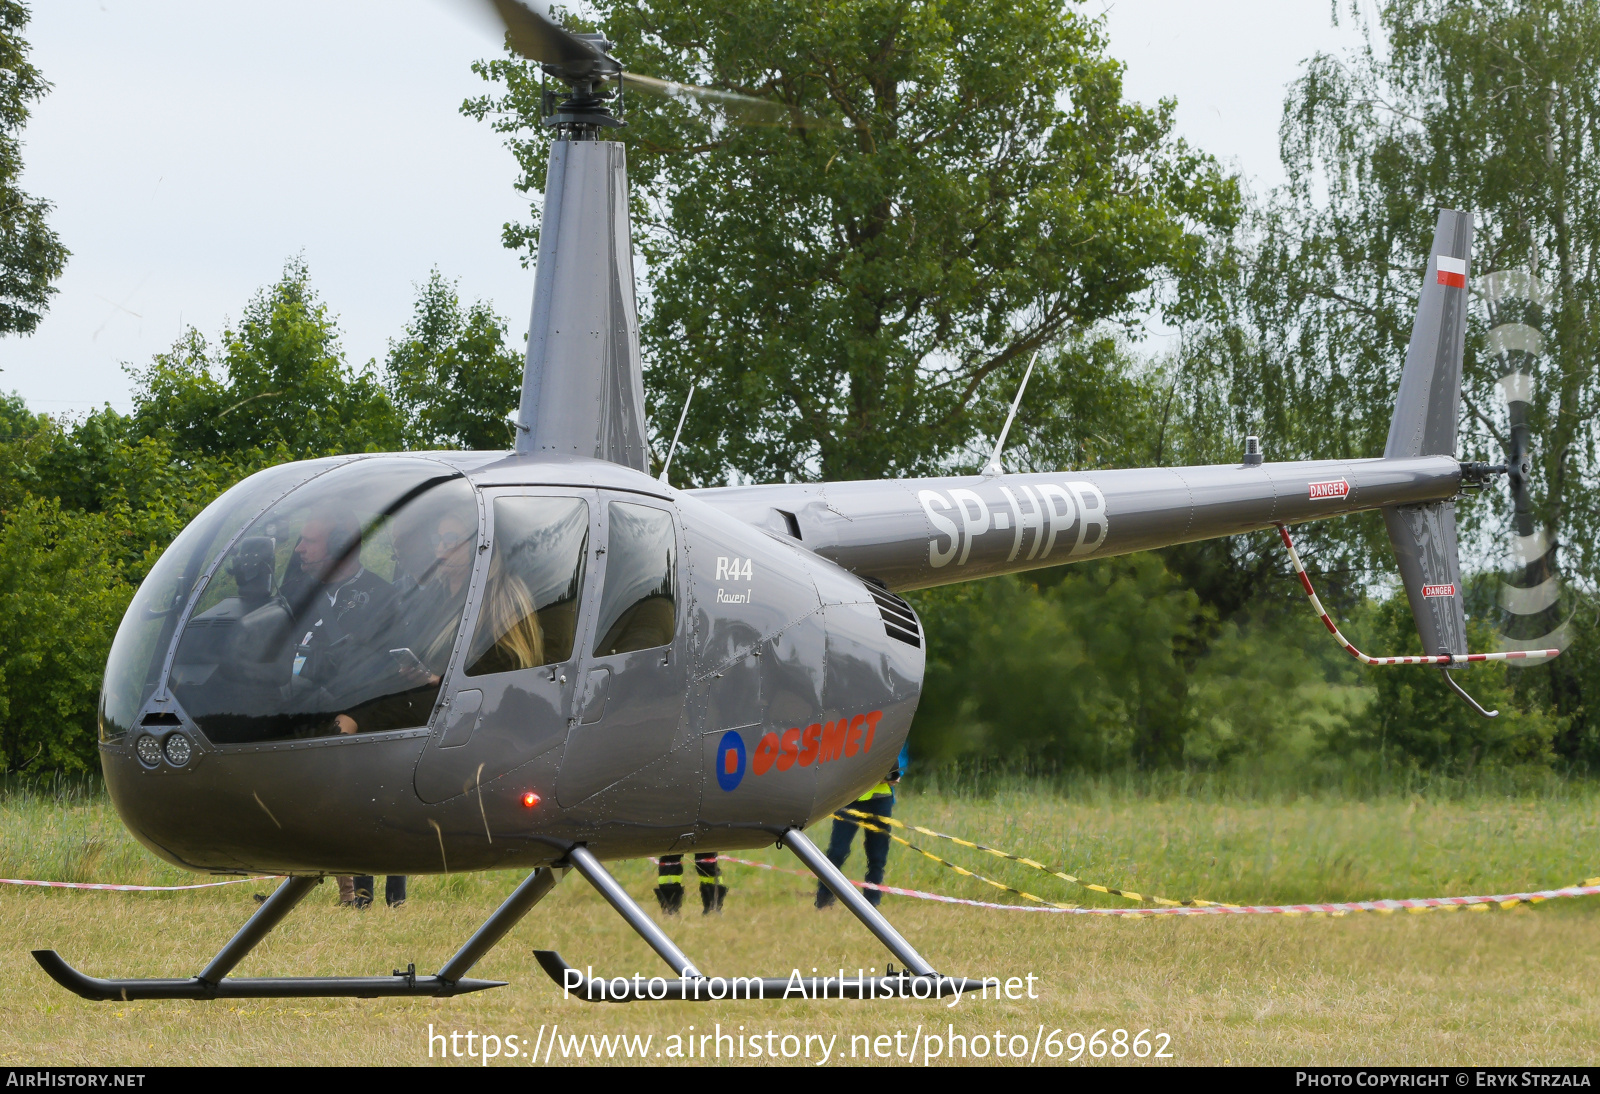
820	742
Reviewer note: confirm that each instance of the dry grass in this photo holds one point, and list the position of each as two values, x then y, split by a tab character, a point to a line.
1503	987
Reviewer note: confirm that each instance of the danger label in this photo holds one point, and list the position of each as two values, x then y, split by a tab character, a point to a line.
1438	590
1322	491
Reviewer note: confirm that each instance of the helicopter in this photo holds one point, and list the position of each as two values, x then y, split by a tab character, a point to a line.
545	659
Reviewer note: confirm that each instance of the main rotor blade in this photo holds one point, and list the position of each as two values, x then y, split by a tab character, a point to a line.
743	109
565	55
539	38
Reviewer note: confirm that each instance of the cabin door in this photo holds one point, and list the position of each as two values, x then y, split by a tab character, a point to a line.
630	699
516	671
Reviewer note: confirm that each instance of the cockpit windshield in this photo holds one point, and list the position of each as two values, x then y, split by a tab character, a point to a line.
139	651
336	610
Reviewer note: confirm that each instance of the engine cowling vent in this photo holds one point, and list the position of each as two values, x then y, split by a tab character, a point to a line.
899	621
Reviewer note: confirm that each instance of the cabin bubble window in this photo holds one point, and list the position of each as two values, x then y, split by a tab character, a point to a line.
336	610
638	607
530	602
139	651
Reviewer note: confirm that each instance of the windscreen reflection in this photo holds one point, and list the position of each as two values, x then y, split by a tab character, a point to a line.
336	611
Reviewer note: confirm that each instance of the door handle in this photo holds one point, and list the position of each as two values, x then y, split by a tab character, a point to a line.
592	701
462	718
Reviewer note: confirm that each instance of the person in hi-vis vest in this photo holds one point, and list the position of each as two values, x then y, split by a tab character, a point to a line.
879	801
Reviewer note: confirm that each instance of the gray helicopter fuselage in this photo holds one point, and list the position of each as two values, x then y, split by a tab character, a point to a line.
784	687
779	697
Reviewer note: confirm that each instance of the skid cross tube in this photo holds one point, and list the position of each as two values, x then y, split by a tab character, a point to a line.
819	864
917	981
214	982
269	915
585	863
532	890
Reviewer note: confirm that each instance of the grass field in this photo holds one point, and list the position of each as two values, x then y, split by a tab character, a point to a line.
1500	987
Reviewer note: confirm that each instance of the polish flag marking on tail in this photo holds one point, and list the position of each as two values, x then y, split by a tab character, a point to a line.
1438	590
1452	271
1338	488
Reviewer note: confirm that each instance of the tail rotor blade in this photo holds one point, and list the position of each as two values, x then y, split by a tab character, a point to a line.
1531	597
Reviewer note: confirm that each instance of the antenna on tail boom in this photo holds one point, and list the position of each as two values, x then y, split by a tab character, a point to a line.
993	468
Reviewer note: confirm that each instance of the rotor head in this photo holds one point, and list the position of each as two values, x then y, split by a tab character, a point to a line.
584	63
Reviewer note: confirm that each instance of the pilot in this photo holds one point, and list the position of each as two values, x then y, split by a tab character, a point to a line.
880	801
343	613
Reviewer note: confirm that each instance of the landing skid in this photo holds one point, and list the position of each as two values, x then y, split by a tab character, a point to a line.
214	982
688	983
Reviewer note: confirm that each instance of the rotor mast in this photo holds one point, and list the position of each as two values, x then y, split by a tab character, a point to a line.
582	381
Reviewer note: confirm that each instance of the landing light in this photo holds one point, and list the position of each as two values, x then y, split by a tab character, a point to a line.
178	749
148	749
530	799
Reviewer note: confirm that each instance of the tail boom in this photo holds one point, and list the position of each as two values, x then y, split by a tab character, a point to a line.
919	533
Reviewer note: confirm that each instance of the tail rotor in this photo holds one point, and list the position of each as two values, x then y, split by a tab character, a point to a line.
1530	591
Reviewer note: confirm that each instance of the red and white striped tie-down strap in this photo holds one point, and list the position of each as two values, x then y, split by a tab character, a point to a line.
1439	659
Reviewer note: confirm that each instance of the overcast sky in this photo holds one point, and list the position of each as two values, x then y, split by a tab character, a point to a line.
191	147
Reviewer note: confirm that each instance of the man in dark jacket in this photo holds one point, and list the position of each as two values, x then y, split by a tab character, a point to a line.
344	616
880	802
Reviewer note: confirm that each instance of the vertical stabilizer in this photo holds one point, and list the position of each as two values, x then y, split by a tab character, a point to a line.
1424	424
582	387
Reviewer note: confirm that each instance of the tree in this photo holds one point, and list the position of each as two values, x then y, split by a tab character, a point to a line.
31	255
1081	667
278	380
61	594
848	293
451	377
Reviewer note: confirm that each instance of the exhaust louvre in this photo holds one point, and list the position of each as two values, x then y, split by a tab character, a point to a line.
899	621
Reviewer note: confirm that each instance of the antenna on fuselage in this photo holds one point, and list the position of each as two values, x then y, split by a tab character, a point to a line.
676	433
993	468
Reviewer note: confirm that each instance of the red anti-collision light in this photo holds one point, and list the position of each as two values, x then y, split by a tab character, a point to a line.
530	799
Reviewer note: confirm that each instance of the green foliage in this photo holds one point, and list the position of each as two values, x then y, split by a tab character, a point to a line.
847	292
1081	670
277	382
451	377
62	592
31	254
24	438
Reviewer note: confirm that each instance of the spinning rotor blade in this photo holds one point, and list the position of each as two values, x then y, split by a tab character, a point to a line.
569	56
743	109
1531	597
539	38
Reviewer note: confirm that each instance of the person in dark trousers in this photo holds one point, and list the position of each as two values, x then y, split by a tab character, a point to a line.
669	883
879	801
394	890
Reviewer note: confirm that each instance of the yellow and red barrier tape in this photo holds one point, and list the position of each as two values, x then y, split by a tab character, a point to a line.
1591	887
129	888
872	820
